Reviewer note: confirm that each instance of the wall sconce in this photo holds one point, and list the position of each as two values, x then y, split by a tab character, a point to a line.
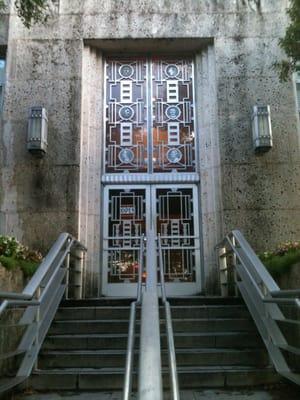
261	128
37	131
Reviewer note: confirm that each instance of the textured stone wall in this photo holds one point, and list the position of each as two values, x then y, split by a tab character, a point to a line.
57	66
10	334
11	281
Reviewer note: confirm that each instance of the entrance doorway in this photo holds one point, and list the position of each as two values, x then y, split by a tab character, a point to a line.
152	210
150	174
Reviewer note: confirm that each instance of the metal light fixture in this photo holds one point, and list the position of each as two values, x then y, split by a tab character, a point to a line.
37	131
261	128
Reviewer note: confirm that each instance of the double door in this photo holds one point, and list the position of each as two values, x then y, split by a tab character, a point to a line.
136	211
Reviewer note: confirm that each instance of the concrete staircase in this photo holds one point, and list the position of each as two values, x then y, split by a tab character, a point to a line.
216	342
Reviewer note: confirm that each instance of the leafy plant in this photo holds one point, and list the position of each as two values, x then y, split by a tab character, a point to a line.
279	261
290	43
13	254
32	11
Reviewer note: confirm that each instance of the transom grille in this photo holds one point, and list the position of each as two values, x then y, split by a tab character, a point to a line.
149	116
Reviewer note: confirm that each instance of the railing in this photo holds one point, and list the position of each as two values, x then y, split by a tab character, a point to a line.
150	371
131	331
40	299
169	328
242	271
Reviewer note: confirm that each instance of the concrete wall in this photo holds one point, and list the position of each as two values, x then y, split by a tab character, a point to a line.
59	66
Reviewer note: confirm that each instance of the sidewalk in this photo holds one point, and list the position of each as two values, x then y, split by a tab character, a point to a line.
288	392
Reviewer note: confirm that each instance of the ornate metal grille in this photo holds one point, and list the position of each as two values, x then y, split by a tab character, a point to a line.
149	102
126	135
126	224
175	223
173	121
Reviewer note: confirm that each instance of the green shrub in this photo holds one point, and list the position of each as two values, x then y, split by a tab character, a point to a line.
8	262
28	267
280	261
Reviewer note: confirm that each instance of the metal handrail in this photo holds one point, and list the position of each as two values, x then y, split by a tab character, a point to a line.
41	298
262	296
150	385
169	328
131	330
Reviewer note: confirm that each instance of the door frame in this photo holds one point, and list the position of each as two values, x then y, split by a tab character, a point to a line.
174	288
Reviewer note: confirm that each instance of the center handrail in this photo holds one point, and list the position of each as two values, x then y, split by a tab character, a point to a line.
131	330
169	328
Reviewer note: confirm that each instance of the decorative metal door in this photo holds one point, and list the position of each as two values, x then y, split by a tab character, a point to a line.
174	208
167	210
149	154
125	221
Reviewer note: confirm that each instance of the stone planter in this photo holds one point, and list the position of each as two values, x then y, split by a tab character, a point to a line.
11	281
10	334
291	280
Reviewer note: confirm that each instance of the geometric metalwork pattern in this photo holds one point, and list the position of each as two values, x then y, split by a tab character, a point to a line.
174	155
149	116
126	224
126	134
173	109
175	224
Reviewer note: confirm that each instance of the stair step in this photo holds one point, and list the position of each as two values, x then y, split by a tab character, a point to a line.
197	377
181	300
88	313
98	302
221	357
84	341
183	339
212	325
180	311
89	326
189	377
204	300
179	325
216	341
116	358
213	311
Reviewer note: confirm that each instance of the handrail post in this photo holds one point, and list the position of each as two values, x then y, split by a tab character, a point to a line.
67	278
37	321
78	272
234	267
223	271
151	282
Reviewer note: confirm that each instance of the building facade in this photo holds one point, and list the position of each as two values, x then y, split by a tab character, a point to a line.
149	108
